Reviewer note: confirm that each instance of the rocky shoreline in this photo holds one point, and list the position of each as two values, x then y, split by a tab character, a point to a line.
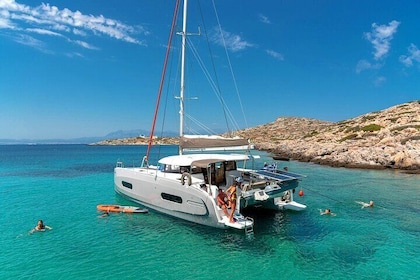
388	139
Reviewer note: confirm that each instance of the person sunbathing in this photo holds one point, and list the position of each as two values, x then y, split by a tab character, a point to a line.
222	201
365	205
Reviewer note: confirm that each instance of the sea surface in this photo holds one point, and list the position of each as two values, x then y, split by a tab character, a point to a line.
62	184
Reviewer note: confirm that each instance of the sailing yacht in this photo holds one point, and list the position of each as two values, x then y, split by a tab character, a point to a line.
186	185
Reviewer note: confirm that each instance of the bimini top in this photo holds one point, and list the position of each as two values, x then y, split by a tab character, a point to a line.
200	159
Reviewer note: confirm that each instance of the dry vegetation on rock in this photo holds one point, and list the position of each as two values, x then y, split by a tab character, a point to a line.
386	139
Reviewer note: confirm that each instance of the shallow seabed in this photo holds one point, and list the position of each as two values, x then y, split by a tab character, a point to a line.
62	184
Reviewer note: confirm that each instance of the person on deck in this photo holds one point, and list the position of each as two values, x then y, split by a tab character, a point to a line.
233	196
222	201
286	197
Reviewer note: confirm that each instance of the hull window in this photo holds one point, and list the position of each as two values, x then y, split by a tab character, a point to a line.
127	184
172	197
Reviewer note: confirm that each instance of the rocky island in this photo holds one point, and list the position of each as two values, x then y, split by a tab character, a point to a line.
386	139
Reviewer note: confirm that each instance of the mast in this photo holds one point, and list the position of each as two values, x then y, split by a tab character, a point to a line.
182	82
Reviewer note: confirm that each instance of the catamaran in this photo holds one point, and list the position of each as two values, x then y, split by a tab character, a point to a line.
186	185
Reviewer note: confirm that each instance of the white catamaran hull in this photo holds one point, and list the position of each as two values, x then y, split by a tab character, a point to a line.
290	205
155	190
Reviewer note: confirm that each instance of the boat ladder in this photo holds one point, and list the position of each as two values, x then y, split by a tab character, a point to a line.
249	229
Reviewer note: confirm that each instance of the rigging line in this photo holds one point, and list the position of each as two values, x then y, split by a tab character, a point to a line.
206	73
166	100
214	85
217	84
209	79
162	80
230	64
197	123
227	112
200	124
232	119
193	131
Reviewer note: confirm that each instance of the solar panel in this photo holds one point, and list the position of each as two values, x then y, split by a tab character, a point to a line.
274	175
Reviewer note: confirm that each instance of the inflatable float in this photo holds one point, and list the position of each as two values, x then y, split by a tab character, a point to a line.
120	208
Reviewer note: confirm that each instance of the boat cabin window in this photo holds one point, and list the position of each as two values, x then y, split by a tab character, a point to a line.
230	165
171	197
180	169
171	168
127	184
220	173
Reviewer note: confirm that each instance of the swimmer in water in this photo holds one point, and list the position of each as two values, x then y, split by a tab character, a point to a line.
40	227
326	212
364	204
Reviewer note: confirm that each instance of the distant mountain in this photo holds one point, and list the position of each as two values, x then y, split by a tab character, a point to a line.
126	133
136	133
85	140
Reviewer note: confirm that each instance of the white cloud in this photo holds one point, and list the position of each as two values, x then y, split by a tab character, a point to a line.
363	65
50	20
231	41
379	81
29	41
43	32
85	45
75	54
61	27
413	55
79	32
9	4
275	54
380	37
4	19
5	23
264	19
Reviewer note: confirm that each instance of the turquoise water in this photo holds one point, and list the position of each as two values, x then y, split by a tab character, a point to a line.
62	184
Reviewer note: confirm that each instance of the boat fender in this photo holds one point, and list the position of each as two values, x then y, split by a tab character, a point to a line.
188	176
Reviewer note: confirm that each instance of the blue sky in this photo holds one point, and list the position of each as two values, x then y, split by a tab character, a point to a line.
86	68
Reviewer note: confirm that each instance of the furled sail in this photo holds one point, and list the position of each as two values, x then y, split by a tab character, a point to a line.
212	143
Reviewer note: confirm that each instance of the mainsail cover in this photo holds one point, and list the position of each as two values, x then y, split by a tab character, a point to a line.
205	142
